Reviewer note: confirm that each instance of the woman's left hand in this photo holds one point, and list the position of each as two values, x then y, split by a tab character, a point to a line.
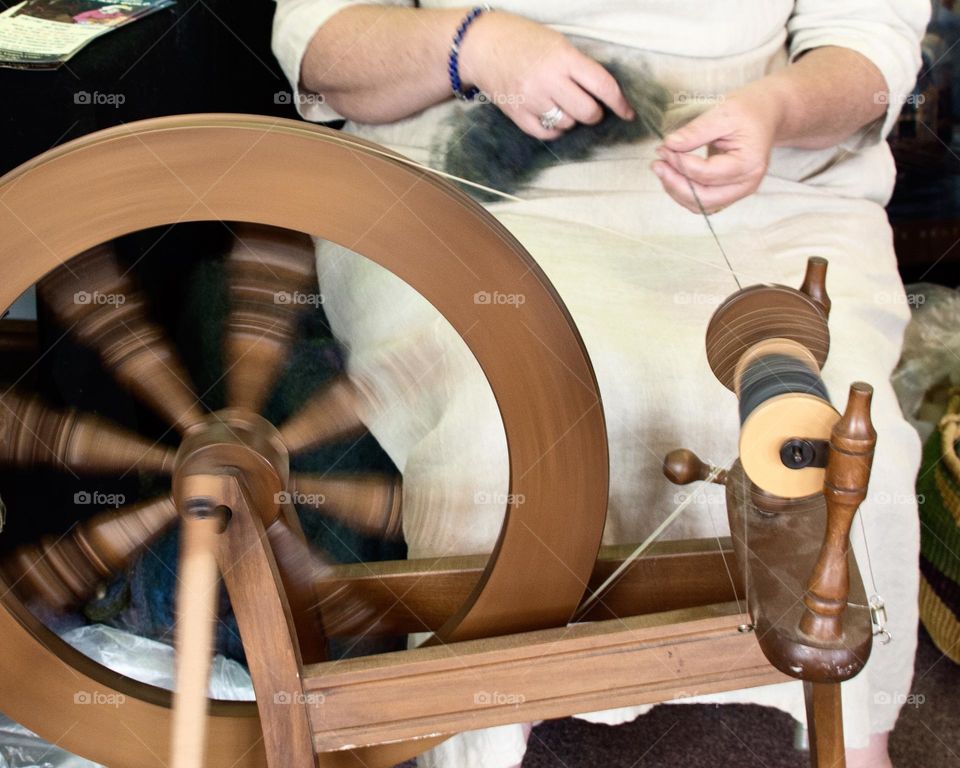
739	134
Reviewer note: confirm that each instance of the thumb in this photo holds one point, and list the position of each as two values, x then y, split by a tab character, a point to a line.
698	132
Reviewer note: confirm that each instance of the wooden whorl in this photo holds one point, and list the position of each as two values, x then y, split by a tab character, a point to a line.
757	314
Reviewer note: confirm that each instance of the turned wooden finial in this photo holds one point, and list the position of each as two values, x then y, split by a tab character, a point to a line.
815	283
683	466
845	487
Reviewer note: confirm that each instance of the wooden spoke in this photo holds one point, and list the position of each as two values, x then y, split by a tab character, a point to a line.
272	279
19	347
65	572
328	416
322	604
368	503
33	434
99	303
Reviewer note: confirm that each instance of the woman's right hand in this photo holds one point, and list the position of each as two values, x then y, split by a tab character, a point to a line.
527	69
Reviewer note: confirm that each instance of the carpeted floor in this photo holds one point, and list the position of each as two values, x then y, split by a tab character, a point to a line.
696	736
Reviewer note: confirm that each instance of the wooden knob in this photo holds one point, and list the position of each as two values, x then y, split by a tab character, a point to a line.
683	466
815	283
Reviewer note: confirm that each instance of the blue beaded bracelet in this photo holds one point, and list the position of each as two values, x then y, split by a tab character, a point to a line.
453	64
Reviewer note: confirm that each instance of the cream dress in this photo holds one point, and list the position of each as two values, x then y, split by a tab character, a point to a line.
641	276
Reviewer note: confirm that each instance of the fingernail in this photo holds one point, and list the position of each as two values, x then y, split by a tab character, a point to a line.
658	170
631	115
662	152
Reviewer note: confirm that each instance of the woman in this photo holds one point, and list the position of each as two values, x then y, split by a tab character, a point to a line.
792	101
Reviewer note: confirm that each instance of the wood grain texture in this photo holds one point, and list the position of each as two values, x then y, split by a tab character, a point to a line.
762	312
779	547
96	300
544	674
825	725
852	443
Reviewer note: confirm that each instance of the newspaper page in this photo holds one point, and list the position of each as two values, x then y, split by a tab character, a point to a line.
42	34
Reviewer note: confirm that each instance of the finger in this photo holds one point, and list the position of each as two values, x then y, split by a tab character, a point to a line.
596	80
577	103
706	128
717	170
713	199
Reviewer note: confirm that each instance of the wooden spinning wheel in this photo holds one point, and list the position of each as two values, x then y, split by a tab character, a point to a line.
308	180
803	471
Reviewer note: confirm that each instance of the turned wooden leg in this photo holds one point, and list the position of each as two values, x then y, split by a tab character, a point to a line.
825	725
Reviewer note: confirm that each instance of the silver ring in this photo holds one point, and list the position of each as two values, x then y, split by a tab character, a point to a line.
551	118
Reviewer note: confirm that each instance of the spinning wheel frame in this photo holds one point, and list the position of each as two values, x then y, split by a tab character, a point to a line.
309	179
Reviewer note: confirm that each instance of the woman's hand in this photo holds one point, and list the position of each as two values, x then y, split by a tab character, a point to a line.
527	69
739	134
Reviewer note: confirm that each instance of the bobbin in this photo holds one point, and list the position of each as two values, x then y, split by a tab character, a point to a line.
785	426
767	343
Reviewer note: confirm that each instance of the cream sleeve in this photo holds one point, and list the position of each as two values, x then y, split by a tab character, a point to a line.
294	25
887	32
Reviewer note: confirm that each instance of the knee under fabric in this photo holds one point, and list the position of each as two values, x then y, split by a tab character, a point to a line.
487	147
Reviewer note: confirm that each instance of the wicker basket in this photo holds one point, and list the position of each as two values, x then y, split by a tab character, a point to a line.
938	490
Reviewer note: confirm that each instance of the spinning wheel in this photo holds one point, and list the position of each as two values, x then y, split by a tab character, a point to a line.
791	497
234	464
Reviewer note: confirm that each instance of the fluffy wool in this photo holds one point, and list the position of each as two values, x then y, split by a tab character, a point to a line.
487	147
